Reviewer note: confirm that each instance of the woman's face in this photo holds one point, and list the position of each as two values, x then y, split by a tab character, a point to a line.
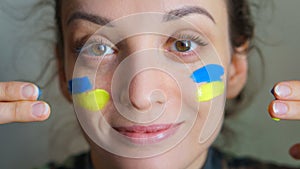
158	67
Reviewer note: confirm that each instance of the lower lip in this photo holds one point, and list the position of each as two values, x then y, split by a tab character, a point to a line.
151	135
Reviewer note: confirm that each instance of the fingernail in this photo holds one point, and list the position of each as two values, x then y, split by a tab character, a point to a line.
280	108
283	90
29	91
39	109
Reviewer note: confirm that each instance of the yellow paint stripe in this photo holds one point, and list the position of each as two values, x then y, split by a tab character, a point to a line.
276	119
208	91
93	101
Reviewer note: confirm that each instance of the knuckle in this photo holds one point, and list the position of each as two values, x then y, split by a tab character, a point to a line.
17	114
3	89
13	111
8	113
6	90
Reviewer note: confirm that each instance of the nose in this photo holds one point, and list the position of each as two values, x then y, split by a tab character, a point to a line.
146	90
144	86
140	43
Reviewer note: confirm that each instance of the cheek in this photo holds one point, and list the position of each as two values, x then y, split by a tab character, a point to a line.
103	79
223	48
210	80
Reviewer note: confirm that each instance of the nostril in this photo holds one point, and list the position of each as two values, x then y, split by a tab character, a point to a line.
145	91
137	100
158	96
146	101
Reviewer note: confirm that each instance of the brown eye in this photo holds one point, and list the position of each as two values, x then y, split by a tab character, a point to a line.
183	45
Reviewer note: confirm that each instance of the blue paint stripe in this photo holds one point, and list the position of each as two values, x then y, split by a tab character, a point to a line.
80	85
209	73
40	93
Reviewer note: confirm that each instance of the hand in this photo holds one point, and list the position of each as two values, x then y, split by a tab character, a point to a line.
287	106
18	103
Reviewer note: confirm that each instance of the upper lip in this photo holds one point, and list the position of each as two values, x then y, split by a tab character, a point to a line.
146	129
148	134
143	129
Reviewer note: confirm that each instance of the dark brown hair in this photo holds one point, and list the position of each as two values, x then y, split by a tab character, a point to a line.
240	21
241	31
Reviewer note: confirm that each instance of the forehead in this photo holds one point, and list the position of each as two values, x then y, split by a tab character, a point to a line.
114	9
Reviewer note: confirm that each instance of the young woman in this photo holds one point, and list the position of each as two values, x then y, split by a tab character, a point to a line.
149	80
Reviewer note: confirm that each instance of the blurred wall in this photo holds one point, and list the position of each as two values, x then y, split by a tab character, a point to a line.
258	135
24	55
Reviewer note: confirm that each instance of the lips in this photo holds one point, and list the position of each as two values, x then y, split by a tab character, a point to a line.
148	134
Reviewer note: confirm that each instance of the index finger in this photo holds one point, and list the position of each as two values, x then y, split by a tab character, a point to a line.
18	91
289	90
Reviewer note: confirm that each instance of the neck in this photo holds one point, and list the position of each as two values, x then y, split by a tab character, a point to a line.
109	161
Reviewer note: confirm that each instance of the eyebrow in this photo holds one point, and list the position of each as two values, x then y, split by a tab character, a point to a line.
99	20
187	10
169	16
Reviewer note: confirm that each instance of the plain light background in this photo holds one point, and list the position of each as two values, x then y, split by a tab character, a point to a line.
26	49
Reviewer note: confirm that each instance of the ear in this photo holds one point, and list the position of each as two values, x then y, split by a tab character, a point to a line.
238	71
62	75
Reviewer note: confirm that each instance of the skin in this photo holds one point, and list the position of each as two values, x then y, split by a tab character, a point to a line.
17	107
14	107
193	154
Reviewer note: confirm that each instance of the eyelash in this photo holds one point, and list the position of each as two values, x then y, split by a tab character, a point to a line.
194	38
78	47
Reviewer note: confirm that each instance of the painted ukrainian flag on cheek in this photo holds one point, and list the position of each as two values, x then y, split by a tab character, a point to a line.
213	85
92	100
